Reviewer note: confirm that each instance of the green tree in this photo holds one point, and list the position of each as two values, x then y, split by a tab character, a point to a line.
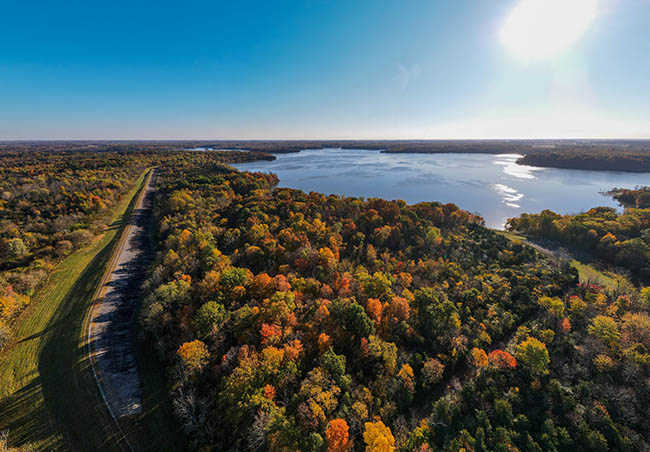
355	320
605	329
15	249
233	277
645	296
334	364
376	286
209	318
534	356
553	305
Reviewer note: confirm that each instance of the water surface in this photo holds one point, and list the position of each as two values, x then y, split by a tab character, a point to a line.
494	186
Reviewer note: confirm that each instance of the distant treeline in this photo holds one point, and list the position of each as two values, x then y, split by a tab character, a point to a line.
601	158
602	155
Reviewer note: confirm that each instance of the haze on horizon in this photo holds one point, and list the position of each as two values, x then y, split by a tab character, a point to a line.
325	69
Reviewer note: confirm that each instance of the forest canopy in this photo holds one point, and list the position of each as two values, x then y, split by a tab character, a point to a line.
53	203
299	321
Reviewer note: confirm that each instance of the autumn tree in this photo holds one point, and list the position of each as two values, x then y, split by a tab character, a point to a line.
378	437
377	286
534	356
194	355
645	296
271	334
554	306
479	358
605	329
337	436
502	360
432	370
405	374
324	342
374	308
397	310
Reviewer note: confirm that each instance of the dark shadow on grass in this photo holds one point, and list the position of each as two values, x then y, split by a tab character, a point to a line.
25	417
69	389
36	335
68	412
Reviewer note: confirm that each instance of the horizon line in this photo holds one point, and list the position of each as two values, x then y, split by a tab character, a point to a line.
177	140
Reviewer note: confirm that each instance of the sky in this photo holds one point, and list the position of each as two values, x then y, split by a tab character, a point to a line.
324	69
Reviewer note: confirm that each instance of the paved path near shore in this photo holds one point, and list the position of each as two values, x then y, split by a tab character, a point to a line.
111	318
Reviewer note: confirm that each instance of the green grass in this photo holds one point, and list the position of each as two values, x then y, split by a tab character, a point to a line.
48	396
511	235
589	273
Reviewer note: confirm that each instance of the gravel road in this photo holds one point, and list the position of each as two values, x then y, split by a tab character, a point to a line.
111	341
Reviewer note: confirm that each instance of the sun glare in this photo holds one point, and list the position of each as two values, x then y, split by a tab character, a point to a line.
541	29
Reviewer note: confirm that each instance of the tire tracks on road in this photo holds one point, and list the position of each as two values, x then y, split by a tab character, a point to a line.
110	345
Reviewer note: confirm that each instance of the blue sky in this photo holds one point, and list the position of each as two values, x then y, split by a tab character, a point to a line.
316	69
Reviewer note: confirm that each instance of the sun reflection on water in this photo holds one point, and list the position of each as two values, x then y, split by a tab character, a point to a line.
512	168
510	195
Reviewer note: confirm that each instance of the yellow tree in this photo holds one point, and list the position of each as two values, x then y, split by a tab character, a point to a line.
378	437
194	354
479	358
406	375
605	329
534	356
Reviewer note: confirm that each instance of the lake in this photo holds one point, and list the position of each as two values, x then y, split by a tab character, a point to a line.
494	186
